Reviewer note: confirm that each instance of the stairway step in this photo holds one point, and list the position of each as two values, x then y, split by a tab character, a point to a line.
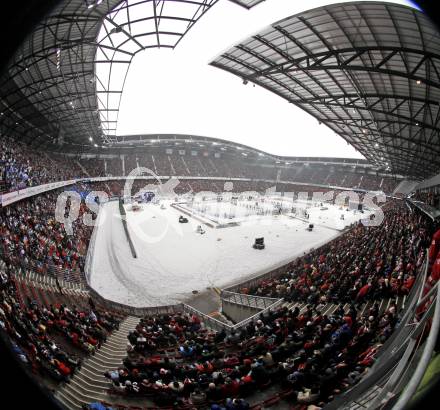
91	380
89	384
88	388
113	362
66	401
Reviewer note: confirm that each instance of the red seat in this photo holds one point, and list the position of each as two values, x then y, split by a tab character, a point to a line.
271	401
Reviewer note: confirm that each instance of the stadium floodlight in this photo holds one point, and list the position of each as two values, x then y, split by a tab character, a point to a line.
95	145
90	139
376	145
419	82
117	29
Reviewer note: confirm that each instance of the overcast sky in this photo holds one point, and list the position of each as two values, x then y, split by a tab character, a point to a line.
178	92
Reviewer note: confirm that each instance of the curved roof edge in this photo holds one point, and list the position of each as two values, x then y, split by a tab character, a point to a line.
368	70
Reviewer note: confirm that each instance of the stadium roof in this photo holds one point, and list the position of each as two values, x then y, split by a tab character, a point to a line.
65	81
368	70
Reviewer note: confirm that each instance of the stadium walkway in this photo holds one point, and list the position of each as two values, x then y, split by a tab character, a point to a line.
88	384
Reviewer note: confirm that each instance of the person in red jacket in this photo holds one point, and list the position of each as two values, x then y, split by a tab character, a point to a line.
62	368
435	273
363	291
230	388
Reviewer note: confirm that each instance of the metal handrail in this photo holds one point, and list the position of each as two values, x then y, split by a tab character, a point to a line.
258	302
392	352
415	380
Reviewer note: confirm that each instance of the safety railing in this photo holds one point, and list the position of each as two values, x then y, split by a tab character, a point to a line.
132	310
256	316
210	322
218	325
434	313
427	209
258	302
393	370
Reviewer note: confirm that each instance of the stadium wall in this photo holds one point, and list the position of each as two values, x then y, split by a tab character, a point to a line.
11	197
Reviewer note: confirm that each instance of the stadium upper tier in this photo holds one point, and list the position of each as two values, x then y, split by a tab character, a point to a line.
21	166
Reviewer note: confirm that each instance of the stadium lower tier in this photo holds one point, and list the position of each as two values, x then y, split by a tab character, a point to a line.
341	303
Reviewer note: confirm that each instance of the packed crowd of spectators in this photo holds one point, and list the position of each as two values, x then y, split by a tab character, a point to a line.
310	356
32	328
365	263
31	237
22	167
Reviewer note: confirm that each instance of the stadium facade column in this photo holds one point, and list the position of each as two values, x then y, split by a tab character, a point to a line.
278	175
123	164
105	166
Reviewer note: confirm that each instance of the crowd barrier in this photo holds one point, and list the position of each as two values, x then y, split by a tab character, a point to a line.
258	302
430	211
386	378
14	196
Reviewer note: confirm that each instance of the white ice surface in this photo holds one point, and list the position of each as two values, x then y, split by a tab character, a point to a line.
173	260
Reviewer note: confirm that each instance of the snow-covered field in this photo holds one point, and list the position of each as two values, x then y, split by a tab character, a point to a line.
174	260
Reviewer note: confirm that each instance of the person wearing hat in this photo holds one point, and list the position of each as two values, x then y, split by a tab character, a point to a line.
236	404
197	397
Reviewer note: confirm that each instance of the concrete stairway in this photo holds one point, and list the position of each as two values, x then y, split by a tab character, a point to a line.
89	384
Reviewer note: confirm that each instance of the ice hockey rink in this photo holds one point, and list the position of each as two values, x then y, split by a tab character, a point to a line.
174	259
